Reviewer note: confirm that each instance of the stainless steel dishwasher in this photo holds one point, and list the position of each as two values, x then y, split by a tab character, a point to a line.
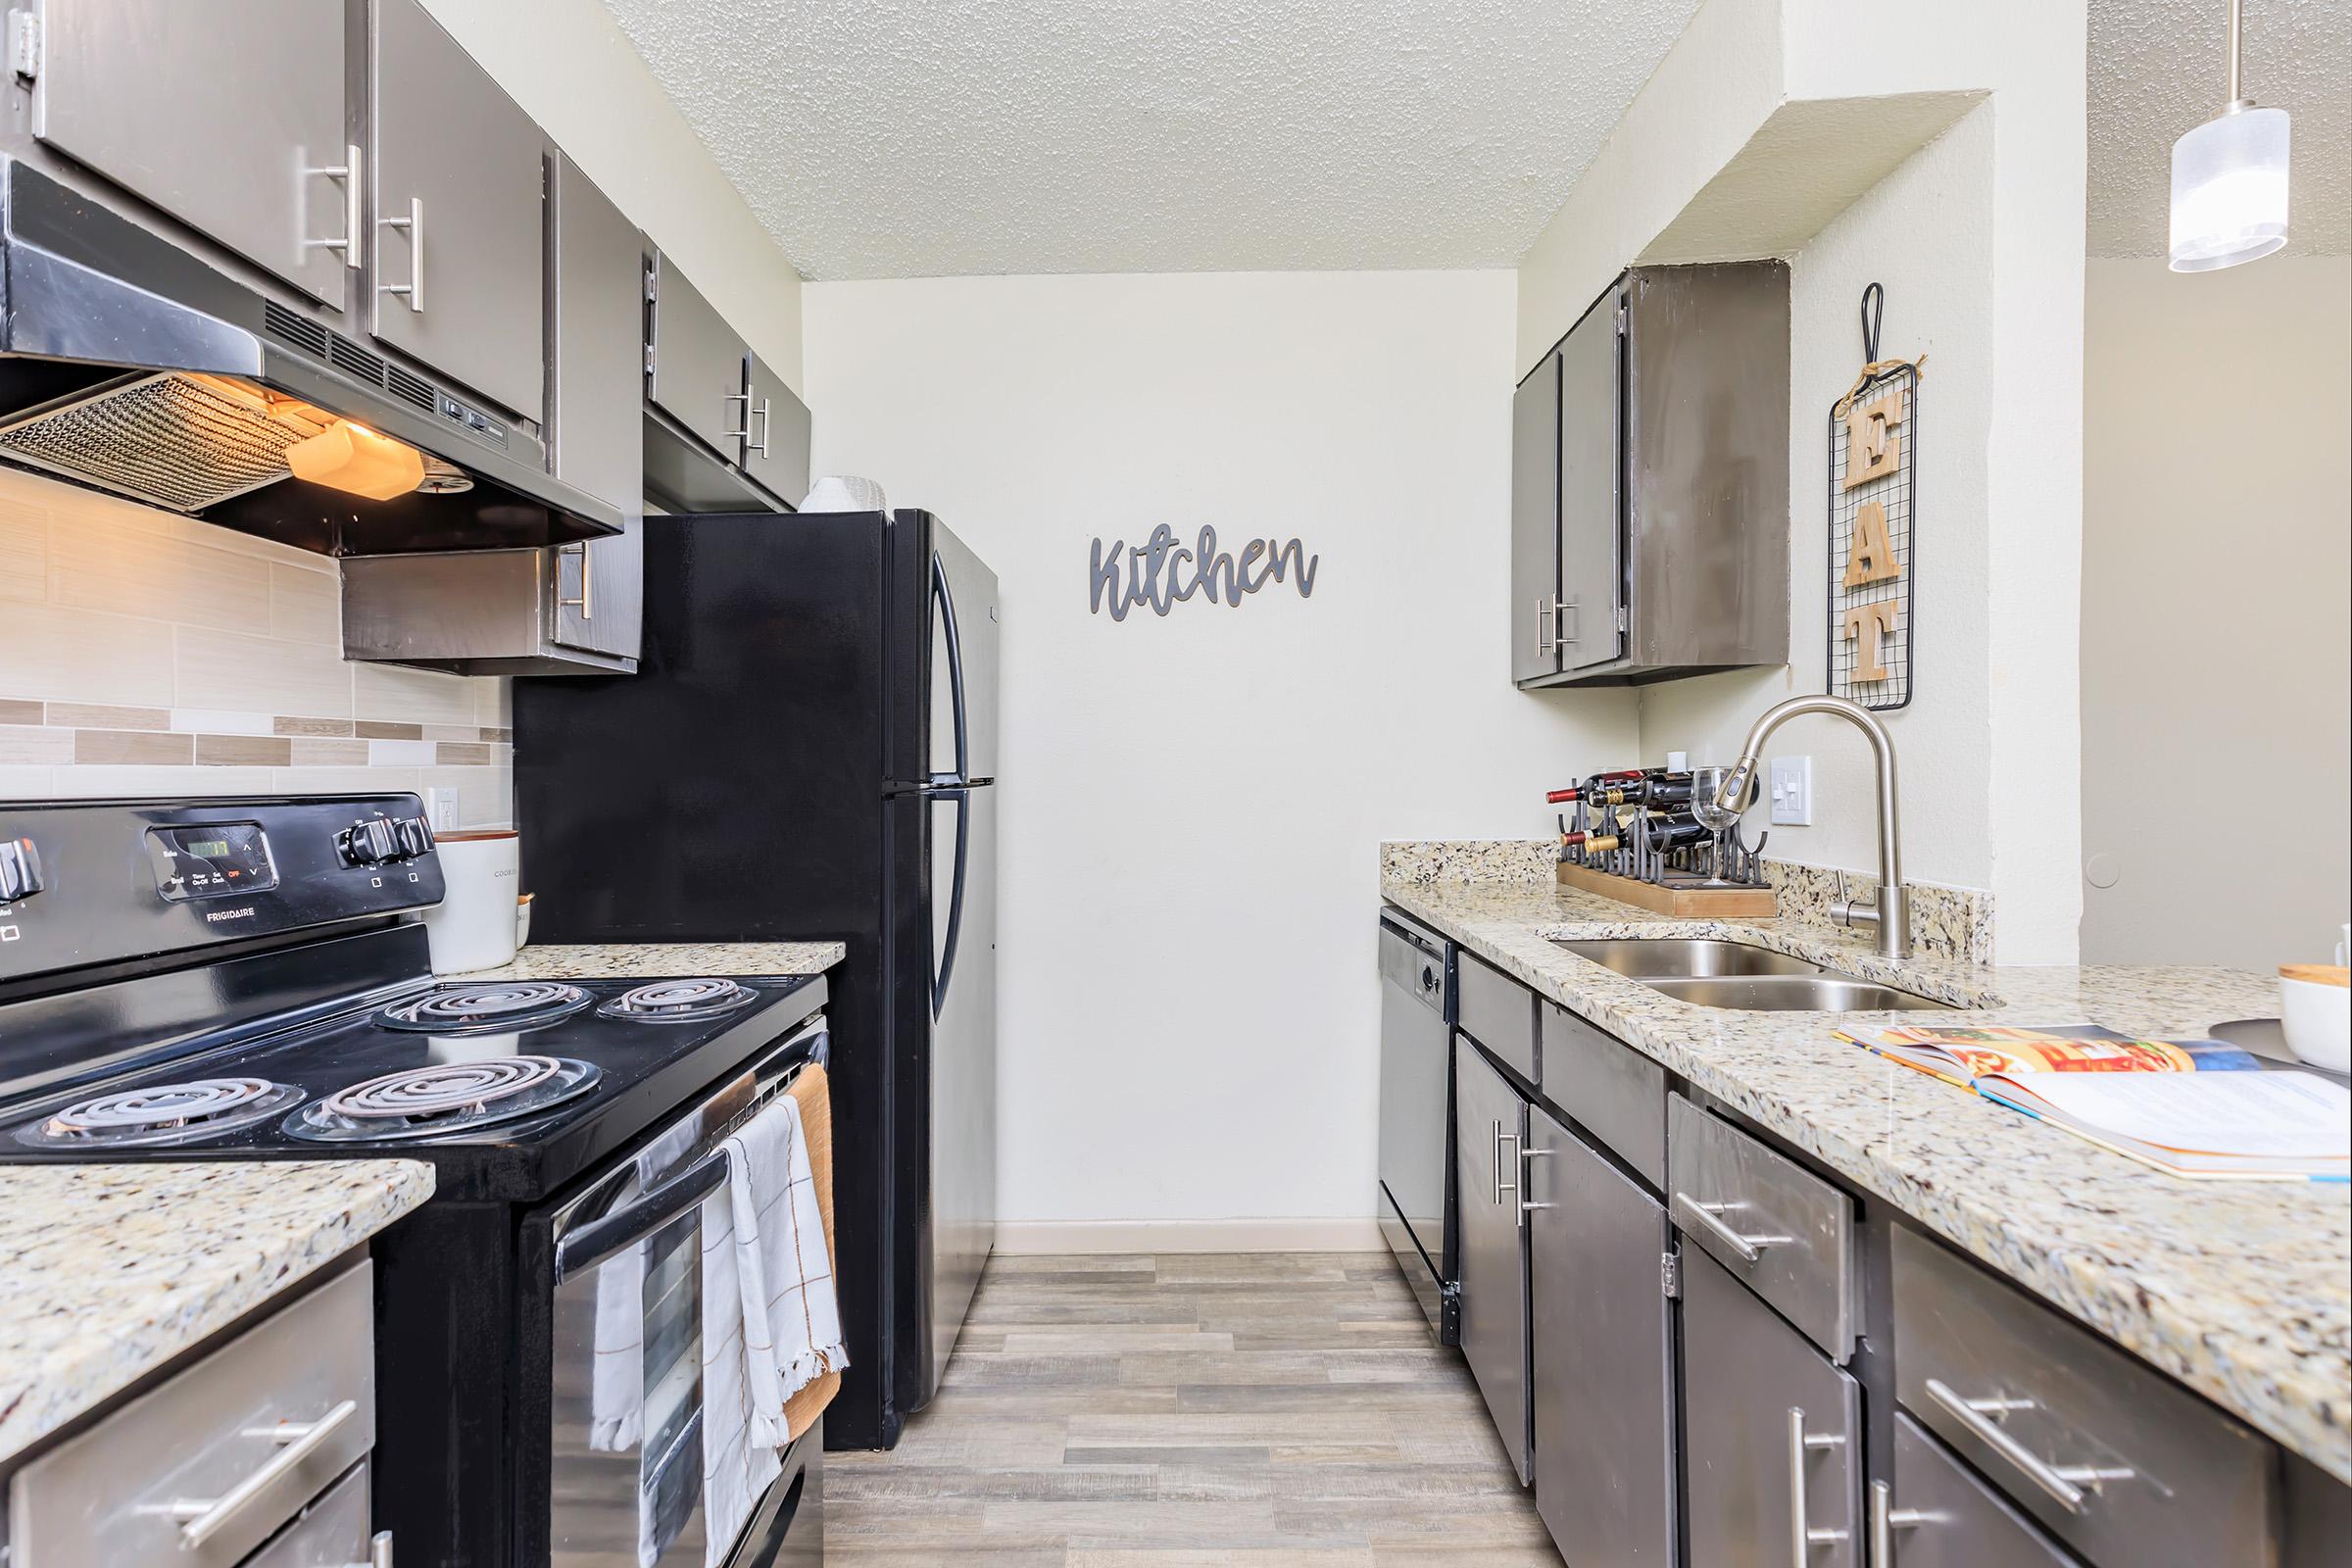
1416	1115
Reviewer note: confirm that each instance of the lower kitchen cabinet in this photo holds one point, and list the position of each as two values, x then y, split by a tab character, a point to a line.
1490	1129
1938	1514
1771	1433
1603	1398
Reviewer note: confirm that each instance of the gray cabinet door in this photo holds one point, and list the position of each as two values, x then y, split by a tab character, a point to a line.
776	451
697	364
1591	515
596	422
461	247
1939	1515
1769	1430
227	114
1489	1127
1535	524
1603	1356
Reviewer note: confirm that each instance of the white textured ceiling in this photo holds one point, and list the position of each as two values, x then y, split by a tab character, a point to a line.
2156	71
899	138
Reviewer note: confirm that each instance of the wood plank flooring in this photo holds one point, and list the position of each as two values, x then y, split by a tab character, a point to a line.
1257	1410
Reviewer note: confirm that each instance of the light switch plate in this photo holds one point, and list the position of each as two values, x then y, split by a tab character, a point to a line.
1792	791
441	808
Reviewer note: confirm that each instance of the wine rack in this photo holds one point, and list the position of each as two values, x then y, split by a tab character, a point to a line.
1722	877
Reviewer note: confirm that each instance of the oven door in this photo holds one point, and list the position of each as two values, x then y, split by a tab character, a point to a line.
625	1438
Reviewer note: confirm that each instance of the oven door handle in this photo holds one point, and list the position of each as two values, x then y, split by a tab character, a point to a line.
584	1247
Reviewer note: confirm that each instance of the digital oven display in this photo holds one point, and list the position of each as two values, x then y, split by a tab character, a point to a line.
209	861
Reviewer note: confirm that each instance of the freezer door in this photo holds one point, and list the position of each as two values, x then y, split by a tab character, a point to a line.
963	830
961	688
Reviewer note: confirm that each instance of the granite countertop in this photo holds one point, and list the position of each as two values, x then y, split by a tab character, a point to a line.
657	961
2241	1289
109	1271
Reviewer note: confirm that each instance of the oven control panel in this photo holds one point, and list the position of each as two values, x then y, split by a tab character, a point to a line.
124	880
210	859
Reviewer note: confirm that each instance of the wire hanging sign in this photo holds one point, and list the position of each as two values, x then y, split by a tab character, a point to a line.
1874	503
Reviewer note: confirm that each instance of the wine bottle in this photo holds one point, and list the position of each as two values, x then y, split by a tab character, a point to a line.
1678	830
1563	797
1593	843
1657	788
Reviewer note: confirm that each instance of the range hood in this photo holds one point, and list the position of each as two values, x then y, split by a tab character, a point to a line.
133	365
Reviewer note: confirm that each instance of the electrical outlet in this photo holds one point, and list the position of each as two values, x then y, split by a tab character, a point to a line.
1792	791
441	808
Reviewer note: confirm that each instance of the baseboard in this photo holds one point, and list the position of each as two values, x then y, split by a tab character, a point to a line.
1070	1236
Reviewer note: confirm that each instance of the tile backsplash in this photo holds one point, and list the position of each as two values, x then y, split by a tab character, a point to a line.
145	654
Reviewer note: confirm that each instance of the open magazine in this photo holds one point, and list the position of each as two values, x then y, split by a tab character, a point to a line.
2196	1107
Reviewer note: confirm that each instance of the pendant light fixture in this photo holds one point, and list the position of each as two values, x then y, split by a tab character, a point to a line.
2229	181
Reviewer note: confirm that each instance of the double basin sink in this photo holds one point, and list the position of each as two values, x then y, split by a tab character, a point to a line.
1714	973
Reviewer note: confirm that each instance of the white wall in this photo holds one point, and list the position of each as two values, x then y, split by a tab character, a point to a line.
570	66
1934	255
1191	805
2217	663
1986	226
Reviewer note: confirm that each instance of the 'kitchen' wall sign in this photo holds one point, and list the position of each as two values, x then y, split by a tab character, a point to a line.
1161	573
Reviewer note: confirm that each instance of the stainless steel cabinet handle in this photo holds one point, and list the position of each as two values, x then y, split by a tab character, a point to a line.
744	434
349	174
411	293
2058	1480
759	445
1563	635
1802	1538
1710	1216
1886	1519
206	1517
1501	1186
586	603
1549	608
1528	1205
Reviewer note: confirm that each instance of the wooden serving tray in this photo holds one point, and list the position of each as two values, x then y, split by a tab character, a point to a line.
1683	903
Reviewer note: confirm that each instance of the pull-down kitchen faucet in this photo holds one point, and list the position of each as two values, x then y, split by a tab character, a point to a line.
1891	914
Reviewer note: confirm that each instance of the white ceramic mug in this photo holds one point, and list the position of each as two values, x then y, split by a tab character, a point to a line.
472	927
2315	1005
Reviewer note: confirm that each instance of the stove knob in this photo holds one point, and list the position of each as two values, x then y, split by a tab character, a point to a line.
370	842
415	836
20	870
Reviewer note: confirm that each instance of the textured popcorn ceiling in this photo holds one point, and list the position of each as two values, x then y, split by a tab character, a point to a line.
899	138
2156	71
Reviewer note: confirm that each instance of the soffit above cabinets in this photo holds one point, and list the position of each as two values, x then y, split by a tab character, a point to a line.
895	138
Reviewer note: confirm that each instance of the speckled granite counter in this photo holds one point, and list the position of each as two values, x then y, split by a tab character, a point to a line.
655	961
109	1271
2243	1291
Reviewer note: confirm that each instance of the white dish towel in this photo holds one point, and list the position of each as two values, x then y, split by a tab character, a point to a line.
770	1320
617	1384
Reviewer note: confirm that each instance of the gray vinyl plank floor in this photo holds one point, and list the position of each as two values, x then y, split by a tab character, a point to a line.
1215	1411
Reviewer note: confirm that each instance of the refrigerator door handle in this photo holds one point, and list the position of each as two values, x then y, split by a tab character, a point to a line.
946	622
963	838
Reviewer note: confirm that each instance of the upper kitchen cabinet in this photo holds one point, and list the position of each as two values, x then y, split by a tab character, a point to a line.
229	116
459	235
597	271
1664	547
723	431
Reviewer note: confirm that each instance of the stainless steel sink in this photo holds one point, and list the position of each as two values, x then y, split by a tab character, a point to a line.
1713	973
1662	957
1792	993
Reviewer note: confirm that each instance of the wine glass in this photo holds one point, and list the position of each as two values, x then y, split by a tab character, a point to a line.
1705	783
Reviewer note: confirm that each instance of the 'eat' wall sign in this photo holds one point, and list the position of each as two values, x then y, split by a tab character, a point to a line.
1873	448
1162	574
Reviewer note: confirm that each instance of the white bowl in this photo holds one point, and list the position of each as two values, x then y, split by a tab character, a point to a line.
2317	1014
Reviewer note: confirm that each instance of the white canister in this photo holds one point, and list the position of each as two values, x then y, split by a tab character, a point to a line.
472	927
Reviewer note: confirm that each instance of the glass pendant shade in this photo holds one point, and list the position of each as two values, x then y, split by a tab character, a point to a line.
2230	190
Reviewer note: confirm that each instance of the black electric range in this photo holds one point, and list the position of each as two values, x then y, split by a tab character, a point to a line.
246	979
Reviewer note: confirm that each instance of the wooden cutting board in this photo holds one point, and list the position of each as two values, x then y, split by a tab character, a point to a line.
1682	902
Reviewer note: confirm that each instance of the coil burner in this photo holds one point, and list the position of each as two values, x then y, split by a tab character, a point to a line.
161	1113
679	1000
433	1102
485	1006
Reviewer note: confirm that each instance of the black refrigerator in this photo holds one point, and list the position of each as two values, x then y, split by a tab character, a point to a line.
807	752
